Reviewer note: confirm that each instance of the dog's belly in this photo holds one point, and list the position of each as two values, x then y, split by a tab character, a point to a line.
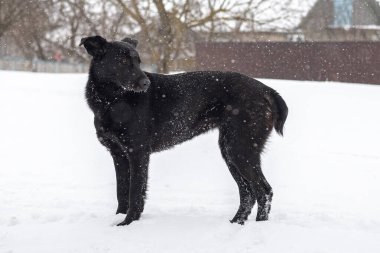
173	133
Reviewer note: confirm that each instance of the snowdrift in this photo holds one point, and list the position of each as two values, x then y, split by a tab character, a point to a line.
57	183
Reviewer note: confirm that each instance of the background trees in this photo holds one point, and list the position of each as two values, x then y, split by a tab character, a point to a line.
167	29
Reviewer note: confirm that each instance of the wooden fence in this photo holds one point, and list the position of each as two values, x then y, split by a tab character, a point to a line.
41	66
355	62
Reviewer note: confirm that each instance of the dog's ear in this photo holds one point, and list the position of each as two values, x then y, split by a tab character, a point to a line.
131	41
95	45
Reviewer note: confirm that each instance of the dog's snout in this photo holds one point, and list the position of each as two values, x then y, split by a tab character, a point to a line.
142	85
144	82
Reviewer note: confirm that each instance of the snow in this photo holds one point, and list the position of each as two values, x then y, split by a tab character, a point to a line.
57	183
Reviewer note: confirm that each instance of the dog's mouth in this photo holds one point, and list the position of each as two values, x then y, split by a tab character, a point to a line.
138	88
122	87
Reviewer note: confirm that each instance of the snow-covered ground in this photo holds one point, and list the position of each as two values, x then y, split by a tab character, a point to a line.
57	183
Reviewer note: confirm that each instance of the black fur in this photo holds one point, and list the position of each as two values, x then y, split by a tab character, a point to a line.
139	113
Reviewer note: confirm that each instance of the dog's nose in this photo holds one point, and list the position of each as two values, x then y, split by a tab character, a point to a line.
144	82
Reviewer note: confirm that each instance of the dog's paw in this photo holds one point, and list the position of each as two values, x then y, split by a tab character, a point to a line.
125	222
238	221
131	216
262	217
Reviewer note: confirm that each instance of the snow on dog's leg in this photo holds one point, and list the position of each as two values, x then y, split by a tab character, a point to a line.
250	169
264	195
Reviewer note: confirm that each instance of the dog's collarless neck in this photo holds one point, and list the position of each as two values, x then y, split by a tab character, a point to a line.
101	97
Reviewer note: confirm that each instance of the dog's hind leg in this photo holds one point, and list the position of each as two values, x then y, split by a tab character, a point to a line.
243	145
247	197
265	194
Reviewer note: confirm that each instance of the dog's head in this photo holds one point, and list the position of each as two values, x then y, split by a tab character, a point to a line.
116	63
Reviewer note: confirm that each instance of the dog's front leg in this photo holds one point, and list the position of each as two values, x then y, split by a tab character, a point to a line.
122	169
139	161
121	163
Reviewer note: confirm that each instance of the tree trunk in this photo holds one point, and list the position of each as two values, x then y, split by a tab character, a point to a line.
167	36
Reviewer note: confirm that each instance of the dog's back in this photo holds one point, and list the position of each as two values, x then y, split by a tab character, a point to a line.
188	104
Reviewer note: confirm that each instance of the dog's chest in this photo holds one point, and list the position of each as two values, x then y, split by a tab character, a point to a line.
127	121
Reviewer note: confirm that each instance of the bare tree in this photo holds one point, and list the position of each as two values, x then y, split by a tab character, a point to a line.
30	28
168	28
79	18
165	23
49	26
10	13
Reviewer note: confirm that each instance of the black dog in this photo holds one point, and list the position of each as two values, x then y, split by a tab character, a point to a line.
138	113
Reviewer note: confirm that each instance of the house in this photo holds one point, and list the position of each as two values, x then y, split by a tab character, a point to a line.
342	20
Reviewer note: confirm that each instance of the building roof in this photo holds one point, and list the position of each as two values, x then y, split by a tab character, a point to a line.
374	5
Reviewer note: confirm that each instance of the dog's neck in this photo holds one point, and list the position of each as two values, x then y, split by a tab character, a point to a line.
104	89
101	95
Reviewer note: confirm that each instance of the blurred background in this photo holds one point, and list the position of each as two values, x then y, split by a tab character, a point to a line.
334	40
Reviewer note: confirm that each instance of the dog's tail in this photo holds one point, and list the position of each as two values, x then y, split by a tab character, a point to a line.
279	109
